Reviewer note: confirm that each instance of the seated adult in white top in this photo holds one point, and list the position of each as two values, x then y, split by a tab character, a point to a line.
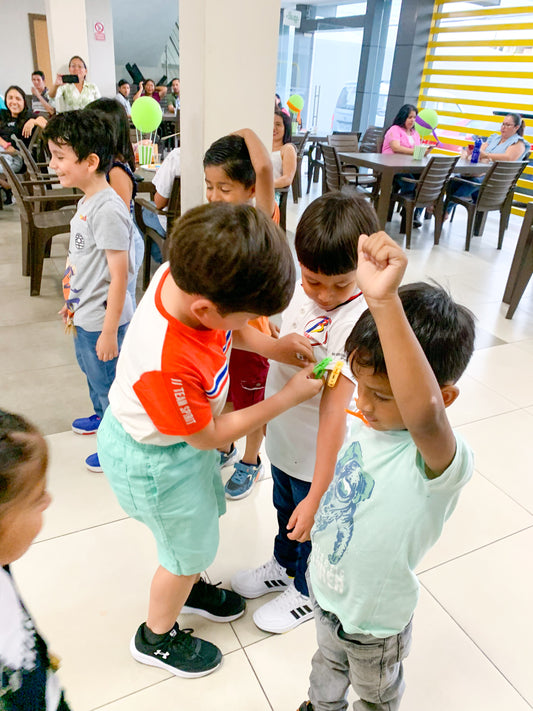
163	182
122	95
283	154
69	97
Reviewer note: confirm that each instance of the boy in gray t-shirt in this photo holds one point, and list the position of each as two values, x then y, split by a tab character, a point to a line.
99	258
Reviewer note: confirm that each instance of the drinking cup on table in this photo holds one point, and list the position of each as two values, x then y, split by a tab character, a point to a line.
419	152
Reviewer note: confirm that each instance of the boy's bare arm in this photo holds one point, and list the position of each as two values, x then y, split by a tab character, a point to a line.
264	174
107	344
292	349
233	425
331	430
417	394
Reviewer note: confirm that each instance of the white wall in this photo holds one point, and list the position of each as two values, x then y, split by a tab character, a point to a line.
16	63
101	52
222	89
67	33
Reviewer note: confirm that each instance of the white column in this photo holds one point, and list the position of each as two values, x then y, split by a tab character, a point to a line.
71	30
228	59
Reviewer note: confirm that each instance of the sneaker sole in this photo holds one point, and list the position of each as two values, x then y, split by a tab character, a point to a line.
281	629
94	470
209	616
153	662
236	497
76	430
252	594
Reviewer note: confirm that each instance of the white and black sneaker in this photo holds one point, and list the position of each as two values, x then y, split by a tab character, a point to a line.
270	577
285	612
179	652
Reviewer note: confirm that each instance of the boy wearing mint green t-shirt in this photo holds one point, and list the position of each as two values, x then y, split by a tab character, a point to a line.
397	480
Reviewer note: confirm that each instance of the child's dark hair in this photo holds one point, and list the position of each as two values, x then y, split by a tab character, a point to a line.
234	256
116	113
328	232
85	132
22	451
444	329
287	125
231	153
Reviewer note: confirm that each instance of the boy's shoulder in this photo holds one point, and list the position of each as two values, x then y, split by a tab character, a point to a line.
393	453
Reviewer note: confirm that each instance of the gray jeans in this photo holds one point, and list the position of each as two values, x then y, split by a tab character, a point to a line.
371	665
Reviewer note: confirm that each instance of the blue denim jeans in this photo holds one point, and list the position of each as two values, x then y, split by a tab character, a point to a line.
99	375
292	555
373	666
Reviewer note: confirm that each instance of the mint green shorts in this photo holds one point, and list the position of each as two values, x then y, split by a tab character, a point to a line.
176	491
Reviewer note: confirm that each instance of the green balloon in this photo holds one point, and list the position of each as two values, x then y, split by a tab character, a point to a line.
431	120
146	114
295	102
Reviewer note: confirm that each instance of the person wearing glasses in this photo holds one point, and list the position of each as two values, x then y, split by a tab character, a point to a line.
508	145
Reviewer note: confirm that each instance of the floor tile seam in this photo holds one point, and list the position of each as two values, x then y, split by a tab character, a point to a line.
81	530
133	693
474	550
258	679
477	646
514	408
502	491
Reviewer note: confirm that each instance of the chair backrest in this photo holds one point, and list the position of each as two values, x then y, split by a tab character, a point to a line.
499	184
174	203
29	162
432	182
19	191
332	167
344	142
372	140
300	147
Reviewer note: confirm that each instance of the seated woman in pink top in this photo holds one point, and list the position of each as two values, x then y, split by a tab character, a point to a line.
402	137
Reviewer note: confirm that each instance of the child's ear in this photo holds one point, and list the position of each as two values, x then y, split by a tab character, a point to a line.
450	393
203	309
93	162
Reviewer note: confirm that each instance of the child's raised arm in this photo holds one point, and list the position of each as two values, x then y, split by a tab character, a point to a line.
416	392
264	175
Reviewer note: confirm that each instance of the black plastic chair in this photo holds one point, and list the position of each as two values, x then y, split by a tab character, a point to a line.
522	266
494	193
429	192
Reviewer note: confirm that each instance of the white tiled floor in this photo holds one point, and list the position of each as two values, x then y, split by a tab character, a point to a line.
86	578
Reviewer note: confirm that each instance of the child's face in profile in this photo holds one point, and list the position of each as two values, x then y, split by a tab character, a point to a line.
375	399
72	173
328	292
23	519
220	188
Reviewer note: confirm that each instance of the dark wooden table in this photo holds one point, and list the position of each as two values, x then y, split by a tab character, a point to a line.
388	165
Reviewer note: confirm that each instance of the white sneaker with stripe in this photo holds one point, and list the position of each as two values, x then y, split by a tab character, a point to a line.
285	612
270	577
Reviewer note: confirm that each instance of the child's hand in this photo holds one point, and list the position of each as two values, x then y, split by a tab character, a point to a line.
302	520
107	346
302	386
64	314
381	266
294	349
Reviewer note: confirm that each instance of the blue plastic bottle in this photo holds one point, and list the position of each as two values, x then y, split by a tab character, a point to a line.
475	153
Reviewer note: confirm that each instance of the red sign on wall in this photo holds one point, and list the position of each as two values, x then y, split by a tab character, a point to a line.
99	33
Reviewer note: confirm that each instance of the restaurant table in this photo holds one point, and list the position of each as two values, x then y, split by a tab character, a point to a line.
387	165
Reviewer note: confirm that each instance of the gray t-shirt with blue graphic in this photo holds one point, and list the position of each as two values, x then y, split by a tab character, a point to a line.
101	222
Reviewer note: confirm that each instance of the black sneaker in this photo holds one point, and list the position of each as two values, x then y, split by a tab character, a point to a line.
215	603
179	653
